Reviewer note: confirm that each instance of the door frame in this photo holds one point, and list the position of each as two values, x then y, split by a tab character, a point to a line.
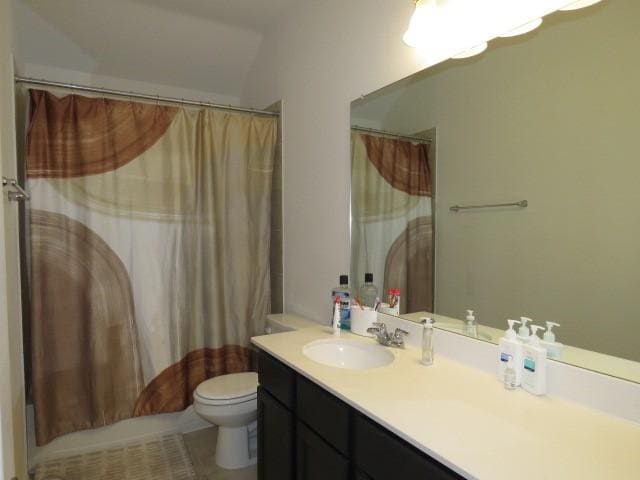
13	459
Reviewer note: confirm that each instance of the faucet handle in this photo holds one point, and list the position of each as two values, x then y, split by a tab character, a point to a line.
400	331
380	326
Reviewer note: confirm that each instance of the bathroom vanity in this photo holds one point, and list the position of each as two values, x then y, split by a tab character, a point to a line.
405	421
305	432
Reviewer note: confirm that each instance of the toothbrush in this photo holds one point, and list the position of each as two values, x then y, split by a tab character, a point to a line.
358	303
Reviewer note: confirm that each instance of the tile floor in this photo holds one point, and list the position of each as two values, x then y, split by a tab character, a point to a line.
201	448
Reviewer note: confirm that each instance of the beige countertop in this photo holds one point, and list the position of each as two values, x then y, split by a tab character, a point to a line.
465	418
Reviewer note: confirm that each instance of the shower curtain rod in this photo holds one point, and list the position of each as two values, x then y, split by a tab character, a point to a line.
143	96
391	134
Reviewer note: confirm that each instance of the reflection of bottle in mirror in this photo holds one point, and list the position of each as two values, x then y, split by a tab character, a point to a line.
554	349
427	341
368	291
344	292
471	327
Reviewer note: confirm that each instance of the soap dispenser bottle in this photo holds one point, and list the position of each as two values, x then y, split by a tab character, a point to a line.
523	331
510	348
554	349
427	341
534	364
471	327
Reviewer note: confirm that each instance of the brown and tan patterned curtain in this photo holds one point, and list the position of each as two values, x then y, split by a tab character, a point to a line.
391	217
149	229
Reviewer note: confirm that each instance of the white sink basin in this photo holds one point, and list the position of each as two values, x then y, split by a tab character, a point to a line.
348	354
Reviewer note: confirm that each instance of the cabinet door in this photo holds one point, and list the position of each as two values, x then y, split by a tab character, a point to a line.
276	434
324	413
383	456
316	460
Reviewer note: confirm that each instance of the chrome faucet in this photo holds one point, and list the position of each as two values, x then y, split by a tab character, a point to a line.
395	339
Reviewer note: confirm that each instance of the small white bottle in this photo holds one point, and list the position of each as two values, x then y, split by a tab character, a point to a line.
510	381
335	324
510	348
523	331
471	327
554	349
427	341
534	364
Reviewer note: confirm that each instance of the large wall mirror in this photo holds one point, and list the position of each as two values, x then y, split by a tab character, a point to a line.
551	117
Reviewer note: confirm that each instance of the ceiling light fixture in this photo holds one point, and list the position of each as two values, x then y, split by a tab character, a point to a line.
418	25
579	4
522	29
472	51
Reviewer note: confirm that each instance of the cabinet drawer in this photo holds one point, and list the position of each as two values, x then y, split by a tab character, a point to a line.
316	460
384	456
325	414
278	379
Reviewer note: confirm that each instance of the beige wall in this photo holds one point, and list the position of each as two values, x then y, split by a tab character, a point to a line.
551	118
326	54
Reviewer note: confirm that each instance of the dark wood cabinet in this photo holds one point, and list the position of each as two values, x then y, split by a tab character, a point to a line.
359	475
306	433
327	415
316	459
400	460
276	439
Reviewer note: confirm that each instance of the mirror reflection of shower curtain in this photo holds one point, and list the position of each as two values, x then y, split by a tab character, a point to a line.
149	246
391	218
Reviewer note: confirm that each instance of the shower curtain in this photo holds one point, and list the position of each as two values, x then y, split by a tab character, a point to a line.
391	218
149	254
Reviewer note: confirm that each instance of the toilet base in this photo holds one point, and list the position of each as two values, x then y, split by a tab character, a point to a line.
233	449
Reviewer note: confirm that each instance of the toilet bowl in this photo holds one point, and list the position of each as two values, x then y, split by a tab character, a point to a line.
229	401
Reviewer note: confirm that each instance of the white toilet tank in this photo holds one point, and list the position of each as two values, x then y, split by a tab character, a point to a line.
286	322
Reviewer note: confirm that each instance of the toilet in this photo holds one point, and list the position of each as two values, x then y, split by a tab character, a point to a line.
230	402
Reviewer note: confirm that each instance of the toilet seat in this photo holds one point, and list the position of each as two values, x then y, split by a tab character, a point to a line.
229	389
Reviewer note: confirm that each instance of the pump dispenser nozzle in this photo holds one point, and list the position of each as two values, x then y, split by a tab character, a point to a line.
534	339
523	331
510	333
549	336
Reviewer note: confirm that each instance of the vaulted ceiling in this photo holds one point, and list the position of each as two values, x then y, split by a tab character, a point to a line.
205	45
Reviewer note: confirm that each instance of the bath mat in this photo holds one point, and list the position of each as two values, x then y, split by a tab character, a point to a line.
161	458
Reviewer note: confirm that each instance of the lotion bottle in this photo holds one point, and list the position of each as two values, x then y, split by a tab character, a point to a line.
554	349
534	364
510	348
523	331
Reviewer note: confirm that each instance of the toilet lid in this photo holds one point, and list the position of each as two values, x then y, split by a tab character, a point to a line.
229	387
